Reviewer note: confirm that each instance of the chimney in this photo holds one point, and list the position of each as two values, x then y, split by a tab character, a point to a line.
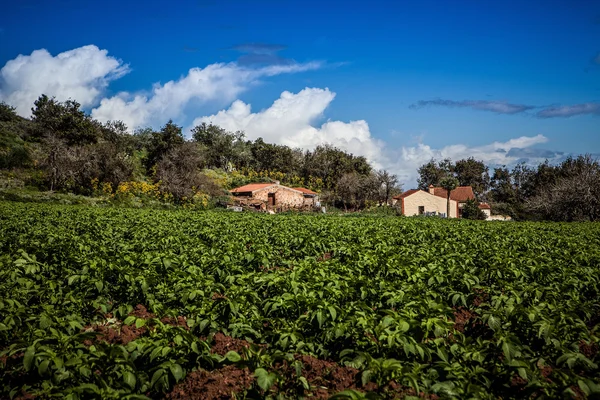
431	190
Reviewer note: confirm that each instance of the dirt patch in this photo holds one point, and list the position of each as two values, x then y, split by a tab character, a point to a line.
179	321
328	374
218	296
588	349
578	392
517	382
324	257
141	312
24	396
115	334
220	384
546	371
221	344
462	317
480	297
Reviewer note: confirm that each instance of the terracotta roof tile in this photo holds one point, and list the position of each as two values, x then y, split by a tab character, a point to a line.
485	206
406	194
461	193
304	190
251	187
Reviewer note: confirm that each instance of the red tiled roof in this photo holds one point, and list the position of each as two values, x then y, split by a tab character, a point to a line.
305	190
406	194
485	206
461	193
251	187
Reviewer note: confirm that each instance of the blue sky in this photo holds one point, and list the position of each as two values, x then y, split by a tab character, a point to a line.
428	78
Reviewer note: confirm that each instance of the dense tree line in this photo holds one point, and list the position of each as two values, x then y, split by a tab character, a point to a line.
62	148
569	191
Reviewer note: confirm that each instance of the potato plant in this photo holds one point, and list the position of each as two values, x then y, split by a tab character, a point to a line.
127	303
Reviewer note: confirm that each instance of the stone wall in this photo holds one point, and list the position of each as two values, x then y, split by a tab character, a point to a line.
284	196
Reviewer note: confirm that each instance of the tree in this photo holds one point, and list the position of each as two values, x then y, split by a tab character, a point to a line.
223	148
388	185
574	194
330	164
471	210
162	142
273	157
449	183
179	173
432	173
471	172
7	112
64	121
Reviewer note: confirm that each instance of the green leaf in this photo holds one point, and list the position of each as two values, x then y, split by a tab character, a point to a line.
43	367
233	356
99	285
320	318
332	312
129	379
139	322
156	376
507	350
304	382
129	320
584	387
366	377
28	358
494	323
264	379
177	372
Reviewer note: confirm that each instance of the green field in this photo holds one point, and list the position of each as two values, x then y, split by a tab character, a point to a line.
109	303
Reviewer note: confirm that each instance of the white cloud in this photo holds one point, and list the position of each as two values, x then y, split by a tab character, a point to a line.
408	159
81	74
290	120
216	82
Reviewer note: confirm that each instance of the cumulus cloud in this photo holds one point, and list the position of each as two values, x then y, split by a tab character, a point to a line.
290	119
570	111
499	107
81	74
216	82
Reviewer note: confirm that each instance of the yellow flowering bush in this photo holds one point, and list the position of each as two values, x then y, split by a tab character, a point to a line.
142	190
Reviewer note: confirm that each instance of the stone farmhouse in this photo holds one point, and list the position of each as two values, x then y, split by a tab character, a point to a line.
274	196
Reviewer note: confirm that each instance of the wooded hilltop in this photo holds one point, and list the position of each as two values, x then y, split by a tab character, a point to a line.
62	149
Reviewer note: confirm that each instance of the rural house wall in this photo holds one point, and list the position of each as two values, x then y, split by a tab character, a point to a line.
284	197
431	203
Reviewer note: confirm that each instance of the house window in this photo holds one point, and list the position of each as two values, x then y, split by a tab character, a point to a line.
421	210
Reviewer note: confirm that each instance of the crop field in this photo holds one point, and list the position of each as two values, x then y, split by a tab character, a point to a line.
100	303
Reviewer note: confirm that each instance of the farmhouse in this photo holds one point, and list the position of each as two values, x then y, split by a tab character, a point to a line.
274	196
433	201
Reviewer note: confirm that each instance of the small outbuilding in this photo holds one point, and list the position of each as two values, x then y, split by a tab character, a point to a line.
270	196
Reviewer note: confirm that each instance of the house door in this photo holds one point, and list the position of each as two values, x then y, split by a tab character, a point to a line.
271	199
